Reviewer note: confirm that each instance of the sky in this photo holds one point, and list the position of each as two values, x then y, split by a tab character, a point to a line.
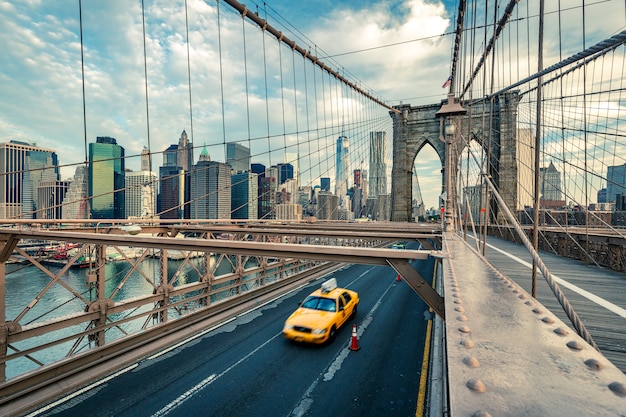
41	78
400	50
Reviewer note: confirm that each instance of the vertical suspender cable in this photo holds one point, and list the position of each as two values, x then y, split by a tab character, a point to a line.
219	47
85	204
282	103
586	201
145	72
188	74
538	133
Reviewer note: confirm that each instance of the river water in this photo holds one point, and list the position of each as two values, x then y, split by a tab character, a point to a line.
25	284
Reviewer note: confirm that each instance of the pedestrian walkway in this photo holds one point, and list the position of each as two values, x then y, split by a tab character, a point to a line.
509	355
598	295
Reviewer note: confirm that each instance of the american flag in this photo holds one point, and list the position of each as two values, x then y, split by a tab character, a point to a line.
447	83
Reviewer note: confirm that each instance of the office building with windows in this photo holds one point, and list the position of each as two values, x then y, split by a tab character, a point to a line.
105	179
238	157
210	188
140	194
18	185
244	196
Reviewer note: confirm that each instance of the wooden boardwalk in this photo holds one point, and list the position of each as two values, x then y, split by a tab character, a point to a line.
605	320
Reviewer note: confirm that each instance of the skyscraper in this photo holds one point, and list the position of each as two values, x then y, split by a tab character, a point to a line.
550	183
244	196
146	160
341	169
172	181
238	157
140	194
39	166
378	168
210	187
16	190
75	203
616	182
50	195
105	179
185	162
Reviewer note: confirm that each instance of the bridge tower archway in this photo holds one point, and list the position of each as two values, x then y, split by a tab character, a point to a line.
414	127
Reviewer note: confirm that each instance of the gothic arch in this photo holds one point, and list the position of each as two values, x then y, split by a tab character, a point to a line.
414	127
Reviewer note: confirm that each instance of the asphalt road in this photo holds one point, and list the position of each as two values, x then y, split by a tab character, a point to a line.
247	368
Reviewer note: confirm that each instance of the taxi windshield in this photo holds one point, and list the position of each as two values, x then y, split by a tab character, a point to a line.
320	303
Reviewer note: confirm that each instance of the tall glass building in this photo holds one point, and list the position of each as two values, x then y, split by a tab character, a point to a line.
341	168
616	182
172	180
238	157
244	196
106	179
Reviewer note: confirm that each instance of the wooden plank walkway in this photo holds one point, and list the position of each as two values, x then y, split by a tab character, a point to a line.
605	319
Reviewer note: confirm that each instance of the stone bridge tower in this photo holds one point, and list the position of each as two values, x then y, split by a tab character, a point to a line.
415	127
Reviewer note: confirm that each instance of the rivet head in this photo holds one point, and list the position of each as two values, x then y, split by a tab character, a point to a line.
458	301
594	364
471	361
529	303
481	413
618	388
461	318
476	385
561	331
547	319
464	329
575	345
537	310
459	309
467	343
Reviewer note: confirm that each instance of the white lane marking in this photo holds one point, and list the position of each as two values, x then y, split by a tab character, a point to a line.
81	391
590	296
306	401
208	381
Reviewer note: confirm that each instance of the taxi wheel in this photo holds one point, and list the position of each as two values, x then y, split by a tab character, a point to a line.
332	334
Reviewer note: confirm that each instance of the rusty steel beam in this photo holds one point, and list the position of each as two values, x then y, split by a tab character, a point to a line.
370	256
420	286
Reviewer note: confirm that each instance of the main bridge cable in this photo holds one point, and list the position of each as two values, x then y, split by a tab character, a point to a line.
262	23
503	20
457	41
596	50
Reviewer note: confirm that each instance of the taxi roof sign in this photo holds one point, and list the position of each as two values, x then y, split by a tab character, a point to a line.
328	286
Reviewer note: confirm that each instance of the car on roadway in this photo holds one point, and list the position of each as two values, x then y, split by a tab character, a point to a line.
398	246
321	314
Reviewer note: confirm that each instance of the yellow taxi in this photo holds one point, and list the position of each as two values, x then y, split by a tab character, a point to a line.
321	314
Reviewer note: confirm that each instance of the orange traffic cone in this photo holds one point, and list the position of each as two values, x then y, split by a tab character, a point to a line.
354	344
399	278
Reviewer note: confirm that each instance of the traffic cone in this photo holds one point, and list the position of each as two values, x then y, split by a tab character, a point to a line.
399	278
354	344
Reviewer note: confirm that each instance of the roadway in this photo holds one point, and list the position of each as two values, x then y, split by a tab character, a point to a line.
245	367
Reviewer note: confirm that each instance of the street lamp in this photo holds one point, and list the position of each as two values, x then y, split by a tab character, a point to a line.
449	110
